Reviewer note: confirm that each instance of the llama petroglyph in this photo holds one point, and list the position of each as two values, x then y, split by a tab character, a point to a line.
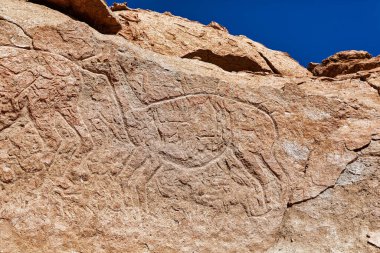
189	131
193	131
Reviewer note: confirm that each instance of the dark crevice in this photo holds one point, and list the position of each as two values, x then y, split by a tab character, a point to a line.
374	87
364	78
374	245
227	62
19	26
311	198
272	67
362	148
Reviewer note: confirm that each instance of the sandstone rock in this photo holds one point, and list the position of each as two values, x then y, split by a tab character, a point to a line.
346	62
170	35
312	66
108	146
94	12
342	219
119	7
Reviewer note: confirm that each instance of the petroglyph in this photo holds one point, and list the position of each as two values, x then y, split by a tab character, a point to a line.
43	86
188	131
108	146
193	131
176	125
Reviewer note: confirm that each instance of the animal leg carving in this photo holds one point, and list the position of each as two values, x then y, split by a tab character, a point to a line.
250	191
254	135
72	117
142	167
250	164
46	129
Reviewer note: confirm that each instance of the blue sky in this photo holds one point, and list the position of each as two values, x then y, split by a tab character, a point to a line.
308	30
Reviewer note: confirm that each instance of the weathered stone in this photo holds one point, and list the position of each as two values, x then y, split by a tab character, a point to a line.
170	35
342	219
347	56
94	12
346	62
119	7
107	146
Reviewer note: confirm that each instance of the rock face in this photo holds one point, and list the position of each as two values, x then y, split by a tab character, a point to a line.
169	35
125	143
94	12
346	62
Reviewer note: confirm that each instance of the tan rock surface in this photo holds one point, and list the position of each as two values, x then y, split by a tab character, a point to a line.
342	219
171	35
106	146
346	62
94	12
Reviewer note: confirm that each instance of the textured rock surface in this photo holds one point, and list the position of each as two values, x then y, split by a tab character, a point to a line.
342	219
170	35
94	12
108	146
346	62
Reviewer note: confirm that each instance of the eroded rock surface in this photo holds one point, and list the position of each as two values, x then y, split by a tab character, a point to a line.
108	146
346	62
342	219
94	12
170	35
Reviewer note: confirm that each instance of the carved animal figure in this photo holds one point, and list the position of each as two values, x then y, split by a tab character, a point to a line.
193	131
42	86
